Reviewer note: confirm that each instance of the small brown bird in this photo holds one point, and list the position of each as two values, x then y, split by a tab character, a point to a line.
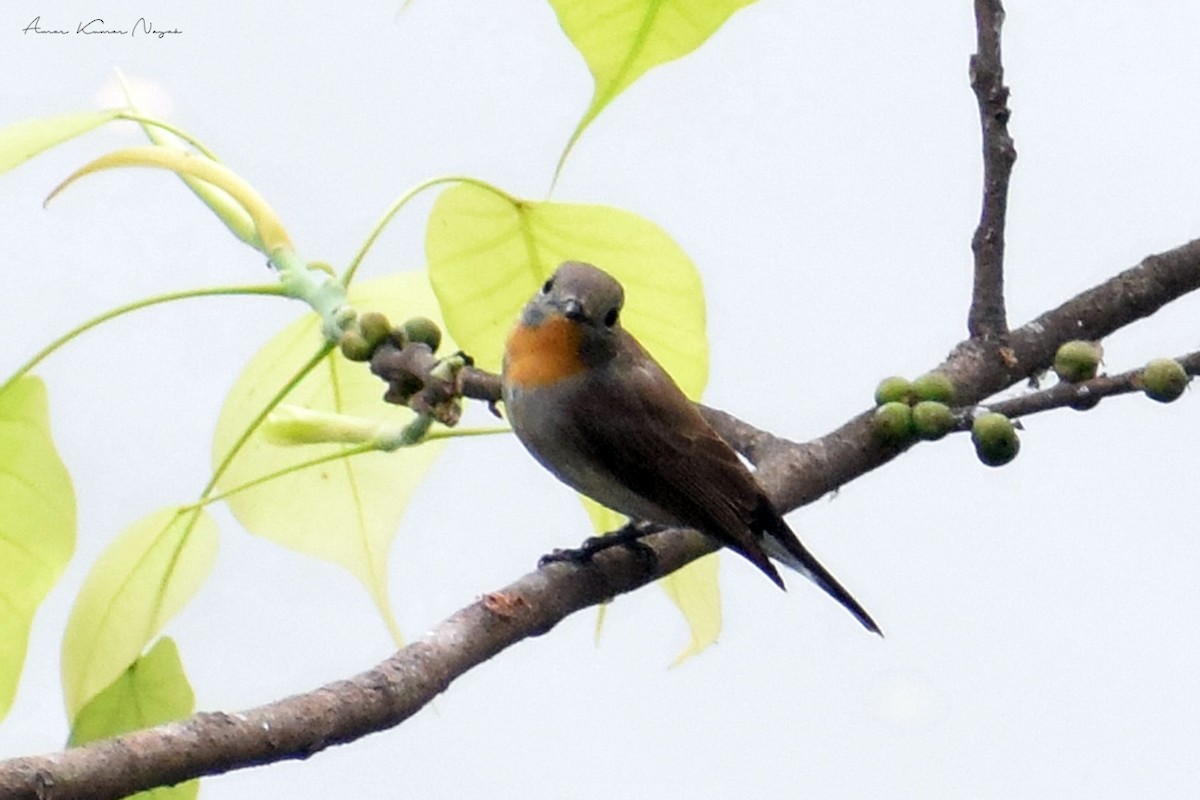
600	413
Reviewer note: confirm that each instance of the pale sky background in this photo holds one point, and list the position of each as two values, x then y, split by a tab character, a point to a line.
819	162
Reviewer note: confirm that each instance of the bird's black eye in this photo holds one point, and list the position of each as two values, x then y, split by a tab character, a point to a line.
610	318
547	286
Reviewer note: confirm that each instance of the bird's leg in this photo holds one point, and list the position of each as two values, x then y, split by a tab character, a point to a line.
630	536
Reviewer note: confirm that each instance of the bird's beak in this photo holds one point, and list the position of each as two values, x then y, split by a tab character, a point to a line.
572	309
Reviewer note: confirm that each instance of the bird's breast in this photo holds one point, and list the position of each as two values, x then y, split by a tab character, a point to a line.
543	354
546	421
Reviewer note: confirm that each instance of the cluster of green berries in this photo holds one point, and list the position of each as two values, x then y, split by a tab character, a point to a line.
369	330
1163	379
921	409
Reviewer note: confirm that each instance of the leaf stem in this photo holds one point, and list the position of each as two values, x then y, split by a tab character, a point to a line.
135	306
402	201
141	119
262	415
349	452
366	447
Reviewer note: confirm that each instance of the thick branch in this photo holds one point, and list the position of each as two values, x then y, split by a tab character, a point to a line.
987	317
796	474
297	727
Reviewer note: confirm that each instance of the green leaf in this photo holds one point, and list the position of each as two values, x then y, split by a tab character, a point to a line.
623	39
37	521
144	578
488	254
694	589
344	511
153	690
268	227
23	140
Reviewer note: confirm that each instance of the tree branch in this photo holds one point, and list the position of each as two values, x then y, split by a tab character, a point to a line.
987	317
796	474
793	474
383	697
1085	394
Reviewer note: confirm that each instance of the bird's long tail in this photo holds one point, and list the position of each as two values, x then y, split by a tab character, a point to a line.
783	546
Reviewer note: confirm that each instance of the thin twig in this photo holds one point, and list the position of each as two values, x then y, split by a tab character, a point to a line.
1085	394
987	318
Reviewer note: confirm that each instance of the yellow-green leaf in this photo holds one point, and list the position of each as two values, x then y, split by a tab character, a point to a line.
697	593
622	39
23	140
345	511
153	690
148	573
694	589
269	228
37	521
489	253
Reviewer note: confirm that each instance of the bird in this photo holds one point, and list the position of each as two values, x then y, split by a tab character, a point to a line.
596	410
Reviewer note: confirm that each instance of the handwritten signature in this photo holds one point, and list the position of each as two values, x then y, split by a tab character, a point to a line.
98	27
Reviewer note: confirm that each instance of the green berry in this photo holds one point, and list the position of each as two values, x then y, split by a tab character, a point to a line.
932	420
995	439
1077	361
1164	380
374	327
423	329
893	390
935	386
354	346
892	422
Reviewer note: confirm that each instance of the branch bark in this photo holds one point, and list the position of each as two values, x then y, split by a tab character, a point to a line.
300	726
987	318
1087	394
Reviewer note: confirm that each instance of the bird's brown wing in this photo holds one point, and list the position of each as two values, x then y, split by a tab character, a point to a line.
652	437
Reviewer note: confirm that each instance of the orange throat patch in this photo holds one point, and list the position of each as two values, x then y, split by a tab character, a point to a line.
538	356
